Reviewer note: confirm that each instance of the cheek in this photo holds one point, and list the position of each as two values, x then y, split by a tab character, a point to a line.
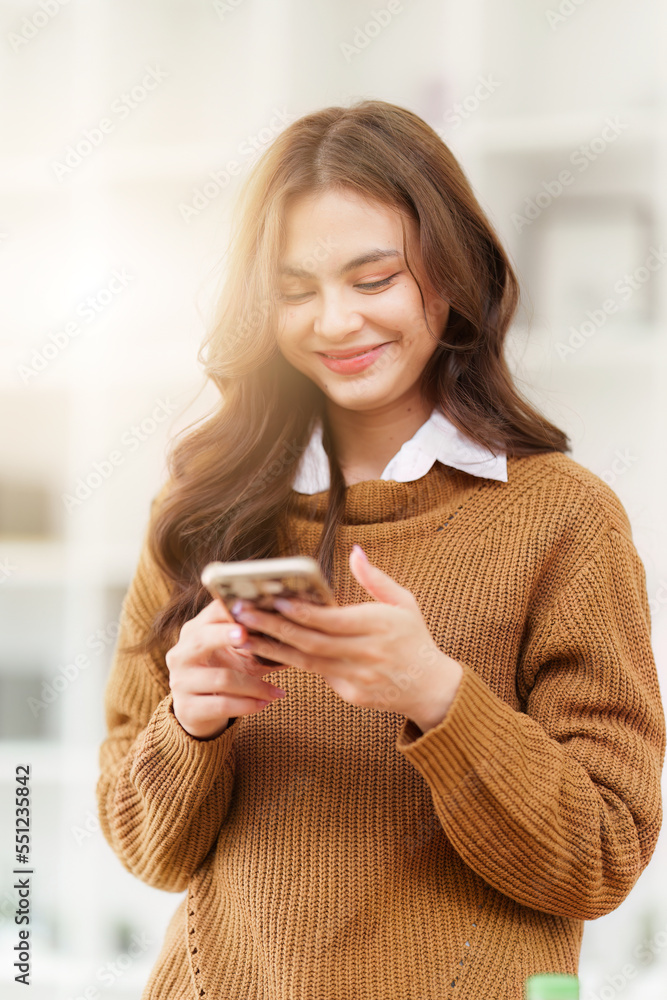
418	342
405	315
290	340
287	330
404	308
423	331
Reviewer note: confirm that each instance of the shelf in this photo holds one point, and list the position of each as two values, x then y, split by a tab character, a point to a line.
189	164
63	564
186	164
32	563
536	347
525	134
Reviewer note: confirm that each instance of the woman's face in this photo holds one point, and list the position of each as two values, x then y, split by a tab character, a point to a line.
345	287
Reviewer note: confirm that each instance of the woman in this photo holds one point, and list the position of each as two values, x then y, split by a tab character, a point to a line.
445	775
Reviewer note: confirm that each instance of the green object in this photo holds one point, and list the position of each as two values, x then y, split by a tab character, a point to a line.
552	986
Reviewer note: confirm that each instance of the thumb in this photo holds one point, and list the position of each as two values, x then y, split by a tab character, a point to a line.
378	583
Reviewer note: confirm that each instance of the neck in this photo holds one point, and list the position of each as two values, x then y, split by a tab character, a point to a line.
366	440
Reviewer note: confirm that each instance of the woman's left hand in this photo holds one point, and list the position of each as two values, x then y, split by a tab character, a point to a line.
378	654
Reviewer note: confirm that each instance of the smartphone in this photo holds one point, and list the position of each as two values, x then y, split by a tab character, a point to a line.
261	580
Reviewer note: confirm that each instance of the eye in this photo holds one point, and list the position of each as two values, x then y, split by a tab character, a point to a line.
293	296
371	286
368	286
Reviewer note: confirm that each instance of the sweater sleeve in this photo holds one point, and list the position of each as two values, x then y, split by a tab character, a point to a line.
559	807
162	794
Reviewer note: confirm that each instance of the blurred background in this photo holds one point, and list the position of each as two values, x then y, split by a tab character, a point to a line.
125	130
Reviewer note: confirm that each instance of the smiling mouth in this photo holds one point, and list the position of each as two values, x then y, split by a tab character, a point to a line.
346	357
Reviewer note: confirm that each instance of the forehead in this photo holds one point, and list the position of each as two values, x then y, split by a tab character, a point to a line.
344	221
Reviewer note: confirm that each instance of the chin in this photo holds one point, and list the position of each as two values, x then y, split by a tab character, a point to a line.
360	400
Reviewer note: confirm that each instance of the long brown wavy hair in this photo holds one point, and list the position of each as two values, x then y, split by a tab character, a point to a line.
230	478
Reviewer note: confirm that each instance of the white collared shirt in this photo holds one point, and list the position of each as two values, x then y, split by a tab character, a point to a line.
436	440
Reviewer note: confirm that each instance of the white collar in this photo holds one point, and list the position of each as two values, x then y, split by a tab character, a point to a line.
436	440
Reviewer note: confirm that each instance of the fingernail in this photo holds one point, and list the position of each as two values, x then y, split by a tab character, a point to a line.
283	604
360	551
236	634
279	693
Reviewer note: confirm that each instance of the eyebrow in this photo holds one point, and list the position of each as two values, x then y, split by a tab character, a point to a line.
365	258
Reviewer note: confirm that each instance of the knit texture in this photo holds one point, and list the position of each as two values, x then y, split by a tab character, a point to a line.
333	852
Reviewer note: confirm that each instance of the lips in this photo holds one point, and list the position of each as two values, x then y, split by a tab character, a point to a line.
350	354
350	365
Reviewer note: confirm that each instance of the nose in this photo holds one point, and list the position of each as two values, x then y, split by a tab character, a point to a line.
334	318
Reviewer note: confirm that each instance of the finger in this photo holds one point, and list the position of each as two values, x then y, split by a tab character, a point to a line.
208	708
356	619
222	681
216	611
319	643
254	667
300	647
202	641
244	706
324	665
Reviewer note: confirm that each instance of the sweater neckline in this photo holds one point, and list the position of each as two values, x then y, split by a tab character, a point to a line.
387	501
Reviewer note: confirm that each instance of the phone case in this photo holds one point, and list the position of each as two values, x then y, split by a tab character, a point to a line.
260	580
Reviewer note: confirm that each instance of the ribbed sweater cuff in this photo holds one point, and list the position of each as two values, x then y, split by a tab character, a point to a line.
166	751
463	740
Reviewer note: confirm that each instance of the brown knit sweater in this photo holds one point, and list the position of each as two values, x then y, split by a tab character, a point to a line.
333	852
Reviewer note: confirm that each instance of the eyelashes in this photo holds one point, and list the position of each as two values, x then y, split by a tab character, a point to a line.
369	286
379	284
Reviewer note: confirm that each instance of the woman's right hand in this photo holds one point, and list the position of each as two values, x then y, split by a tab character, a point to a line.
211	681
